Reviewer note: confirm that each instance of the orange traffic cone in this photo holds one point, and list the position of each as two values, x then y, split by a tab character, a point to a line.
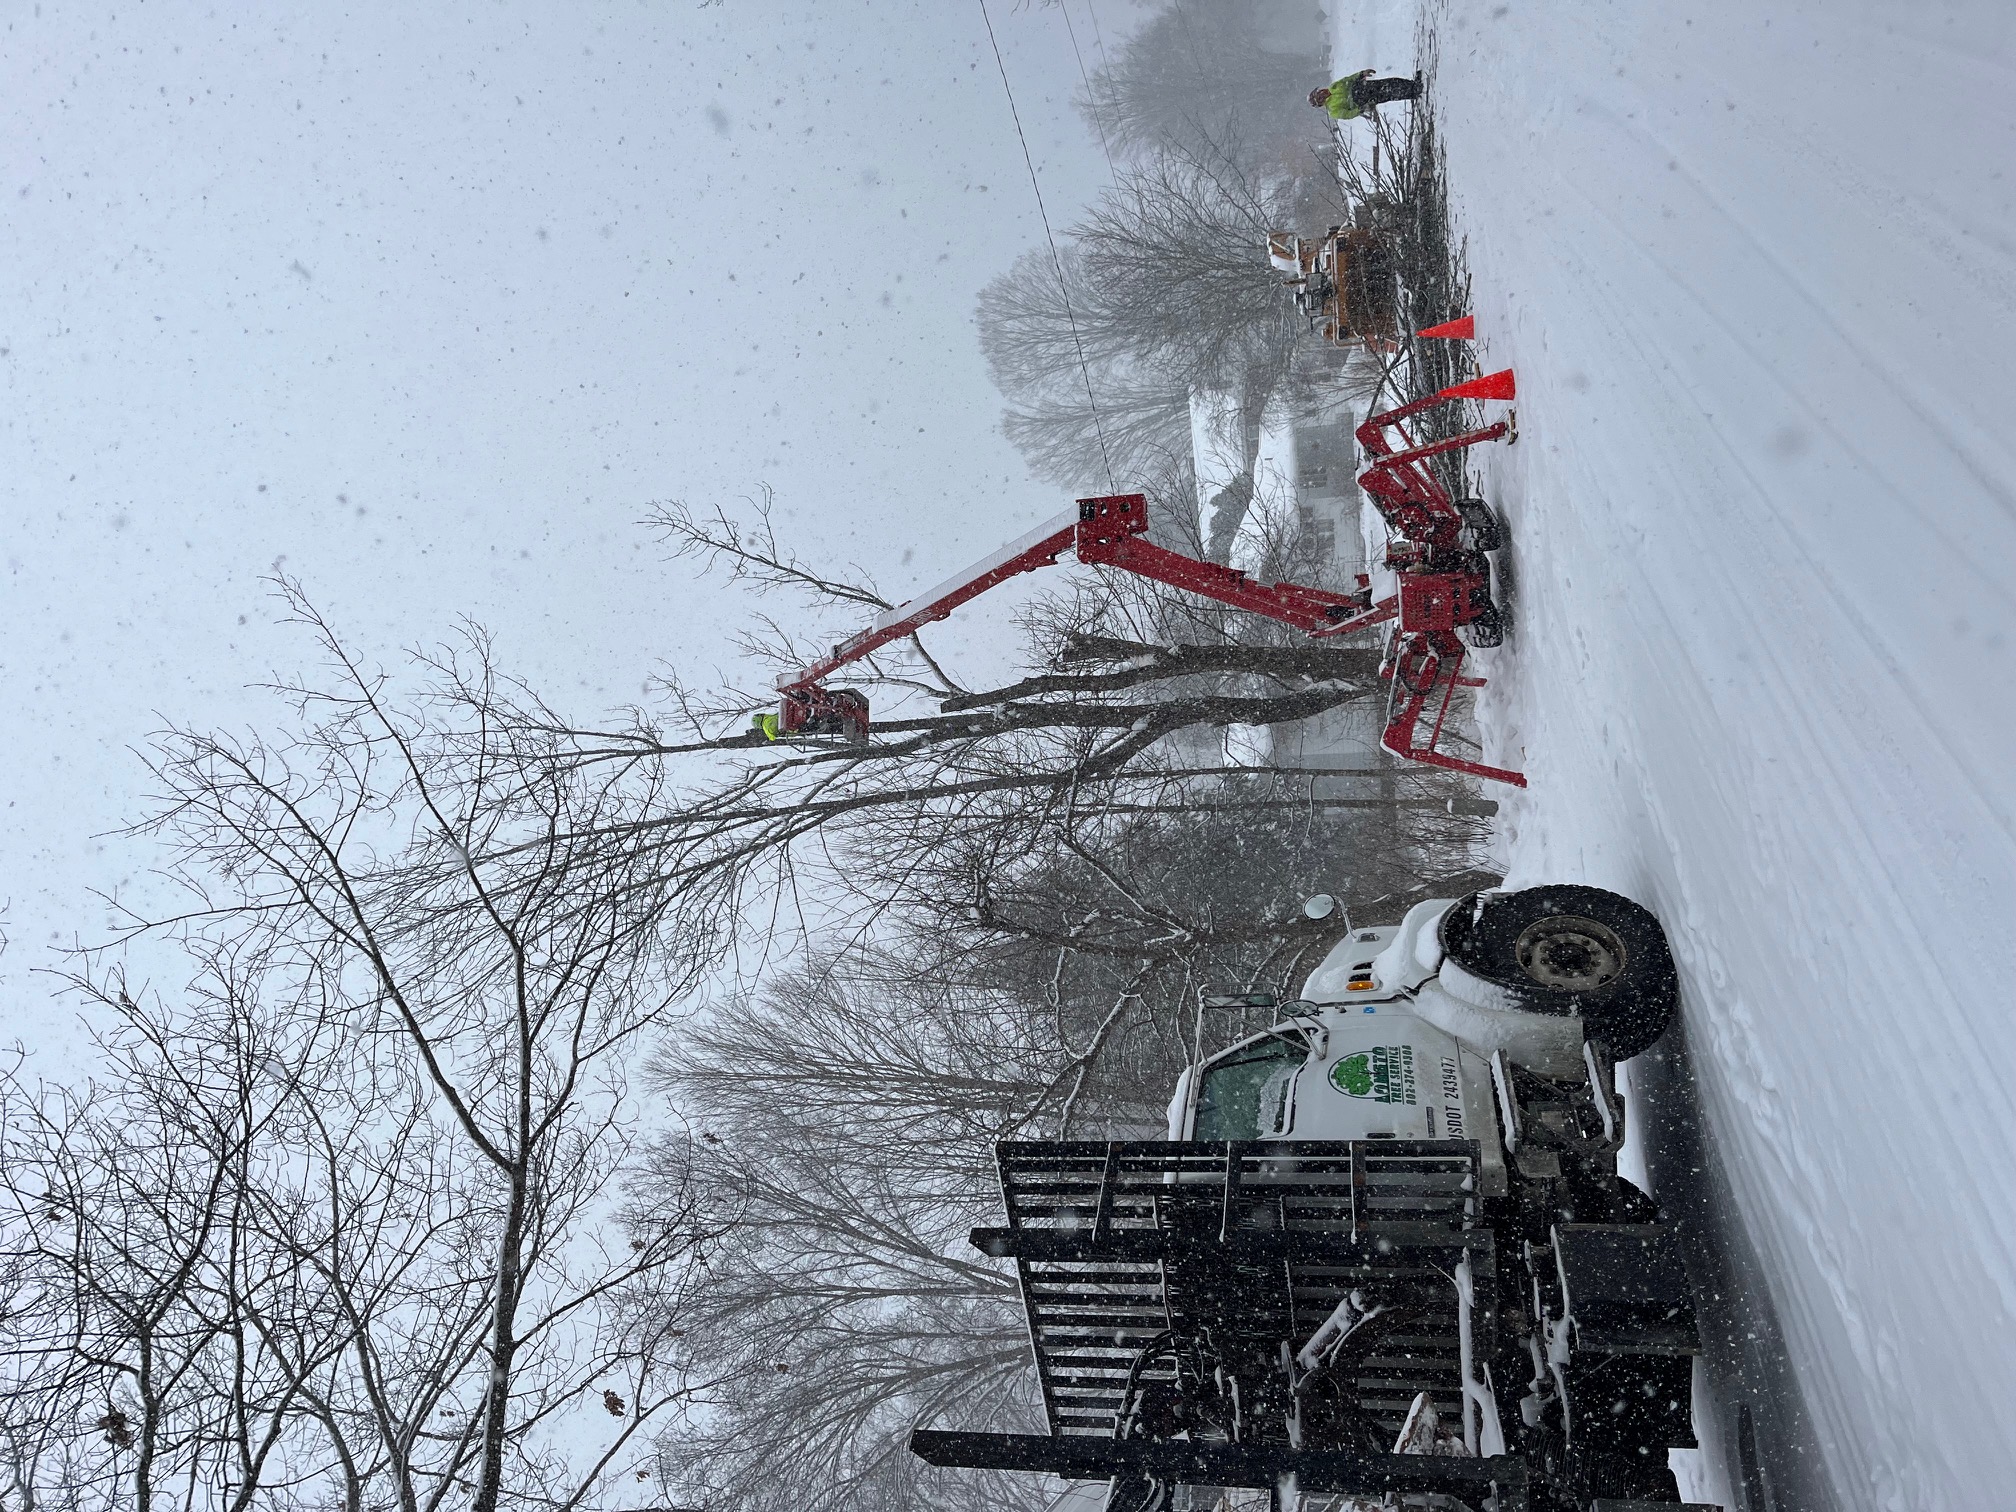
1490	386
1463	328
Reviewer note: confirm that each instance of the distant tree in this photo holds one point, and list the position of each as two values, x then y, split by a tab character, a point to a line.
1163	288
1122	432
843	1116
1177	252
1199	72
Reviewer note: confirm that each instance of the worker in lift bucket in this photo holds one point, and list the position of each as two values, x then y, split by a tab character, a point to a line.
1354	94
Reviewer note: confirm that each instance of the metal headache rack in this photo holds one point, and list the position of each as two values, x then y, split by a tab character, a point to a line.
1251	1246
1179	1296
1273	1313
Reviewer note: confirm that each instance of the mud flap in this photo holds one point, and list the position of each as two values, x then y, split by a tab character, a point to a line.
1631	1339
1624	1289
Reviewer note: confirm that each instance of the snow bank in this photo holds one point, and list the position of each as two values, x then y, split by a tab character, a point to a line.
1762	524
1376	34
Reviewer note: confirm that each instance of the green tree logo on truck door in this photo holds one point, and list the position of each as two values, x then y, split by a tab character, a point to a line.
1385	1073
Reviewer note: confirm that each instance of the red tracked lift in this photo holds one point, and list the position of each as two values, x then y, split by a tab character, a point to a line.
1436	551
1436	548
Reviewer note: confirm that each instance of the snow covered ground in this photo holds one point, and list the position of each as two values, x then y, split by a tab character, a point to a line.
1756	269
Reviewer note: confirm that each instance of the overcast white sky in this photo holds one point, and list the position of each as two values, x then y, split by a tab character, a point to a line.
426	304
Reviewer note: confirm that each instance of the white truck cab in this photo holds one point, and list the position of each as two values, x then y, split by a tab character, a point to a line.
1351	1059
1396	1036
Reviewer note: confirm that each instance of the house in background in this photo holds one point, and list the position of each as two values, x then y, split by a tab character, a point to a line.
1285	471
1269	474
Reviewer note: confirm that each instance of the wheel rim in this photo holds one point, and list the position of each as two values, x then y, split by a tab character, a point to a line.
1570	954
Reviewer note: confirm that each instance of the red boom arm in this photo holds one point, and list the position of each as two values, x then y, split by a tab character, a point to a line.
1039	548
1424	658
1106	532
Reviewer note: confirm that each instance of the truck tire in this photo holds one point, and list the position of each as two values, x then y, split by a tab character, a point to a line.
1568	949
1136	1493
1486	534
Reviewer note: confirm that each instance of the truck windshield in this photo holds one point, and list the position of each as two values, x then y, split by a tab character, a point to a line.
1246	1094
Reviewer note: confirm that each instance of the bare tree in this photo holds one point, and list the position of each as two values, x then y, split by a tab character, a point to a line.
849	1110
1123	432
1177	252
735	822
719	824
263	1270
126	1203
1161	289
1199	67
355	1218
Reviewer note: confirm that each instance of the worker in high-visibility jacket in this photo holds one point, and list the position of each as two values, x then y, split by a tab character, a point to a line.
1354	94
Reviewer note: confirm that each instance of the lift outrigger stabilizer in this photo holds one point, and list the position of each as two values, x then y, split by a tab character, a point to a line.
1436	549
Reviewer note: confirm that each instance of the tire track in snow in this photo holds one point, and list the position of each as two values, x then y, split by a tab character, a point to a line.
1799	856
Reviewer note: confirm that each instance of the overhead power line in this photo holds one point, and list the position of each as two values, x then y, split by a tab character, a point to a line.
1091	98
1056	261
1098	36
